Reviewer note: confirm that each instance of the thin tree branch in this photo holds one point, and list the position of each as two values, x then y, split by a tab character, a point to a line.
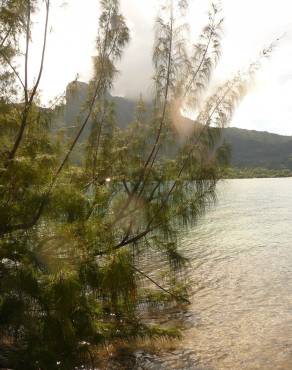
43	52
5	37
154	148
126	187
26	52
176	297
91	106
169	63
13	69
202	59
29	100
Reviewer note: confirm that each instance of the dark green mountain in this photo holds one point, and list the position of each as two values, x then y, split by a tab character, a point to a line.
76	97
249	148
259	149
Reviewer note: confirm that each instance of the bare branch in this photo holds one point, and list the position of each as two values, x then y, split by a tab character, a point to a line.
26	52
43	53
178	298
13	68
126	187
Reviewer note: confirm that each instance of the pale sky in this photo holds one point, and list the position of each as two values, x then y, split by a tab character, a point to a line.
249	25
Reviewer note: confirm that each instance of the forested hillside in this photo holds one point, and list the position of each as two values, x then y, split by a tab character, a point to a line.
249	148
259	149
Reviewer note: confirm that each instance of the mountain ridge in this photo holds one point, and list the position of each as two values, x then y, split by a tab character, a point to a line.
249	148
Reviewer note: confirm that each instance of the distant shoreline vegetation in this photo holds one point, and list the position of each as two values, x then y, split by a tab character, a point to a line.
257	172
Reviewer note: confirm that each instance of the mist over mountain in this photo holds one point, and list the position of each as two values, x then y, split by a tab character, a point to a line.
249	148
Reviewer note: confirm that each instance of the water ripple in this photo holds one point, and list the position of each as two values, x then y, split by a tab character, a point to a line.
242	257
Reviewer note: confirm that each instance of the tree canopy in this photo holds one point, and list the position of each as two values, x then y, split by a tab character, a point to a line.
77	237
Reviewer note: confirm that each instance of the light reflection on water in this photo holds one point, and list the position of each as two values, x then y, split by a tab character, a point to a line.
242	259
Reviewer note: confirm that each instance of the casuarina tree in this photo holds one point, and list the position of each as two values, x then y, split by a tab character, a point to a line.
91	225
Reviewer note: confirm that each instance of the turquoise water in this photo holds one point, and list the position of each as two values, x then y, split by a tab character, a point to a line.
242	271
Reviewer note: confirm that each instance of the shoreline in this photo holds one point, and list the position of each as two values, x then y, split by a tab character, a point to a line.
255	173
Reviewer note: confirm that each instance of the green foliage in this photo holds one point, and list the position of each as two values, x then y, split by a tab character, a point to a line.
256	172
76	239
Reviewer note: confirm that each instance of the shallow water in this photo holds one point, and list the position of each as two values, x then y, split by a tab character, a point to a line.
242	269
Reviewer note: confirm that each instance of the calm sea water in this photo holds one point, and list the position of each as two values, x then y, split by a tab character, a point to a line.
242	269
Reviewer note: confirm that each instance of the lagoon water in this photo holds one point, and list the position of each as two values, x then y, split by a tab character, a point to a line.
242	270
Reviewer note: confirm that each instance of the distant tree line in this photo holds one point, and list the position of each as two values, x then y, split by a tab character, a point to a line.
257	172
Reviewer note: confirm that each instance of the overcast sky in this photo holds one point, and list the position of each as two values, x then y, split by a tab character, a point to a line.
249	25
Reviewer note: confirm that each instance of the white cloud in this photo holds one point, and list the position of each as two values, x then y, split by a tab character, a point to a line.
249	25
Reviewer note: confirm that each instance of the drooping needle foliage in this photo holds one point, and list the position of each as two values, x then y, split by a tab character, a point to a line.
85	217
